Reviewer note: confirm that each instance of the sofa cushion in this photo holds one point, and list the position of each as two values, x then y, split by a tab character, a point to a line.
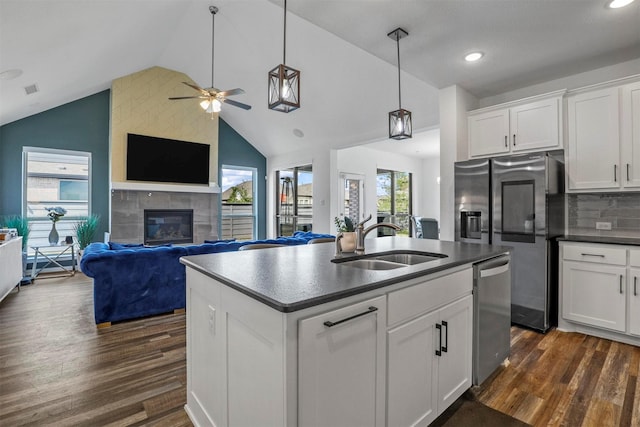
114	246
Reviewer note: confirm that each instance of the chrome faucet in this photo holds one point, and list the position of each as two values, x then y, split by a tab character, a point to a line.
362	232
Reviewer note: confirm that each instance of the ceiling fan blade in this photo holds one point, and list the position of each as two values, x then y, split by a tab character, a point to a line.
189	97
231	92
196	87
236	104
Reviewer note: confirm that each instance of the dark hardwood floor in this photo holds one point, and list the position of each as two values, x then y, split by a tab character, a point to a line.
57	369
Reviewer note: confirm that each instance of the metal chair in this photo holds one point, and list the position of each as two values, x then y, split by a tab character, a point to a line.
260	246
321	240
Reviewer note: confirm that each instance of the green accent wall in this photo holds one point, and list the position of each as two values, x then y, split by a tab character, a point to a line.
234	150
81	125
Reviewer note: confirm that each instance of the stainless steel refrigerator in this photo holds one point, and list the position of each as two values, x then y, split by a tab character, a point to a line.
526	208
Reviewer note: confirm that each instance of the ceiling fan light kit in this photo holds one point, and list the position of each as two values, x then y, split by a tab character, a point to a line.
284	81
400	126
212	98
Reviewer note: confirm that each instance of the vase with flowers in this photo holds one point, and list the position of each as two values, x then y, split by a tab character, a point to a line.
54	215
345	227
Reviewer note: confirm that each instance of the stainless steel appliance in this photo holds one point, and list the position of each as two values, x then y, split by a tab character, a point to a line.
472	188
517	201
491	316
528	212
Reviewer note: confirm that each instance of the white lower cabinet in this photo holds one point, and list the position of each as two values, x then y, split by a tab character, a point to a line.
600	290
341	366
429	364
594	294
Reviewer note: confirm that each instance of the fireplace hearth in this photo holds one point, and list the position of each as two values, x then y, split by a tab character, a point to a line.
163	226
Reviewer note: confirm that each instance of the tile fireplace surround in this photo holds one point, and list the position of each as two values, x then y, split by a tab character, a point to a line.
127	212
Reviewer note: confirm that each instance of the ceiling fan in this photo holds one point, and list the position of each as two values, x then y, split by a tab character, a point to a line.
212	98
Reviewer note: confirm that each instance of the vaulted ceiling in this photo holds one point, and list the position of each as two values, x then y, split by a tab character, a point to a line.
73	48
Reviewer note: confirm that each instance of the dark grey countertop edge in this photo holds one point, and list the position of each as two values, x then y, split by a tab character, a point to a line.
290	308
631	241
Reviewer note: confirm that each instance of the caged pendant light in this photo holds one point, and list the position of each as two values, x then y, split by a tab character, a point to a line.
400	119
284	81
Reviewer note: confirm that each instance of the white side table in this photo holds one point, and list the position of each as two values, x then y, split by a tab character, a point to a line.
52	253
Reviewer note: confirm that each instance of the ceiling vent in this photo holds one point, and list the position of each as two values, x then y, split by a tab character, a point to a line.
31	89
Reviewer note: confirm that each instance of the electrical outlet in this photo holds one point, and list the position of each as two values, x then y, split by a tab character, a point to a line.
603	226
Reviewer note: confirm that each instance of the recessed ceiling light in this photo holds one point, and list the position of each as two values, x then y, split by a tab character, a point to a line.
10	74
474	56
298	133
616	4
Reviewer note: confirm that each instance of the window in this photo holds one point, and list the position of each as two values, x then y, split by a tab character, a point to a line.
393	190
238	203
55	178
294	200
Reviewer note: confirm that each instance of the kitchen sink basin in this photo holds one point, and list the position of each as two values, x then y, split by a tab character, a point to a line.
407	258
389	260
372	264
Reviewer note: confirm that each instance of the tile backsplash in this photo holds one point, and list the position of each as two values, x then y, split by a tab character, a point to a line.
622	210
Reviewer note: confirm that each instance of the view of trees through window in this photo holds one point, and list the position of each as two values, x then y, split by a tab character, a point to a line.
238	216
393	191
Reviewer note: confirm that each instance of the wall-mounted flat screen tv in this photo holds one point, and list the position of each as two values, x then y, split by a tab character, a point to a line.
166	160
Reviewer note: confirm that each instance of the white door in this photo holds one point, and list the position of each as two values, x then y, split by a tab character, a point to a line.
341	366
489	133
631	135
594	294
634	301
535	126
455	361
594	143
411	375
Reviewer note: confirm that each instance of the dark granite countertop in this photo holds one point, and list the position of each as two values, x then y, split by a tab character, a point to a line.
632	241
292	278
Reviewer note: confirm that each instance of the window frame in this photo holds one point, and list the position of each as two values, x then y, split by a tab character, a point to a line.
254	200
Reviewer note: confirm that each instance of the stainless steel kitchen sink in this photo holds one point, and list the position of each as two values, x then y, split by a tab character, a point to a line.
388	260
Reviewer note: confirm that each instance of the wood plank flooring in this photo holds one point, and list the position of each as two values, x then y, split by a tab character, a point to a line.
57	369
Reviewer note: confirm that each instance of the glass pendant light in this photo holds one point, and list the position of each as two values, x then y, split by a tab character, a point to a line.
284	81
399	120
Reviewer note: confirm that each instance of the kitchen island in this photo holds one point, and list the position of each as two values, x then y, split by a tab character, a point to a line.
286	337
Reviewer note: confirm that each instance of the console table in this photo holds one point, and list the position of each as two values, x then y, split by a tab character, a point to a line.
52	253
10	265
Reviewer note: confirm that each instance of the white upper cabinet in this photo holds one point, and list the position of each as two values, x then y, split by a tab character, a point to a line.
594	141
604	139
630	161
522	127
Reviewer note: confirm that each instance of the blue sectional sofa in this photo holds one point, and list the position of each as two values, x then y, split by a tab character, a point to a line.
133	282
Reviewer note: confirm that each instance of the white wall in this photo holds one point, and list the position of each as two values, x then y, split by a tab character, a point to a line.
430	207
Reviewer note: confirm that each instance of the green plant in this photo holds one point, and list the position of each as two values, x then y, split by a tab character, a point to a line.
85	230
56	213
344	224
21	224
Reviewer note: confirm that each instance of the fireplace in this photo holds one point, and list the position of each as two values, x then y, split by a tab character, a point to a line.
168	226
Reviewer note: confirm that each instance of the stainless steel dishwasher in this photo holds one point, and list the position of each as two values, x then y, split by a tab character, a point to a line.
491	315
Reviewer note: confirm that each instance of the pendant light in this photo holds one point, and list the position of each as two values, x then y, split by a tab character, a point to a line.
284	81
400	119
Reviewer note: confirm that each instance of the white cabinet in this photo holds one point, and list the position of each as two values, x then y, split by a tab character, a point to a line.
630	135
634	291
342	366
600	290
10	265
429	357
603	128
531	126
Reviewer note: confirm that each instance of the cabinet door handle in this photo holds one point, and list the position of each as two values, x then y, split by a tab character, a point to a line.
615	173
506	144
628	179
621	284
439	348
600	255
635	286
329	324
446	336
514	139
